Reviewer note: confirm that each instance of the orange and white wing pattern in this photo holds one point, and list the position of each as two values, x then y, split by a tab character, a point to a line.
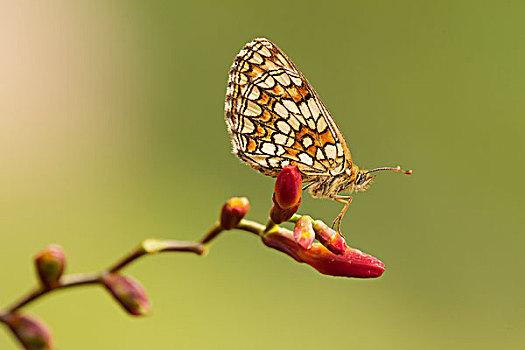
275	117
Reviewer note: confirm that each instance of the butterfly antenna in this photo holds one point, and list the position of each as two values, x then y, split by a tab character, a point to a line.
397	170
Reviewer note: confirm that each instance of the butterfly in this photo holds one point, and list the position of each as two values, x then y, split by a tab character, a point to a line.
275	118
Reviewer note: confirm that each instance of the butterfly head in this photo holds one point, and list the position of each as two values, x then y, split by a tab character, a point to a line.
363	180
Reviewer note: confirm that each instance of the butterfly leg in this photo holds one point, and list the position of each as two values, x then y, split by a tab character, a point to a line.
346	200
307	185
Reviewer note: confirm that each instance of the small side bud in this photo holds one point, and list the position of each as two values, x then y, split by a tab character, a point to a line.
330	238
31	333
50	263
303	232
128	292
288	187
233	211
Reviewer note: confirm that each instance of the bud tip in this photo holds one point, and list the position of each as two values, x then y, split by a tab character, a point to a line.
50	263
288	187
233	211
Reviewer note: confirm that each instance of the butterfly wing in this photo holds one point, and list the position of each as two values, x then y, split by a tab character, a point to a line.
275	117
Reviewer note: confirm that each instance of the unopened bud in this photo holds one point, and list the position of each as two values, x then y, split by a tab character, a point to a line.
279	215
128	292
233	211
50	263
352	263
330	238
288	187
32	334
303	232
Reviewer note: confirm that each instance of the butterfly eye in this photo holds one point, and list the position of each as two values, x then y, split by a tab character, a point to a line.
360	178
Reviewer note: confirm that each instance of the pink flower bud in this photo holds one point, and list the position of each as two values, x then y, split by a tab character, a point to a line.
279	215
128	292
32	334
233	211
303	232
288	187
352	263
330	238
50	263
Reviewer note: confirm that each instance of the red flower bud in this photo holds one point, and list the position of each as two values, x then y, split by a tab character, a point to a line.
50	263
128	292
288	187
330	238
233	211
303	232
279	215
352	263
32	334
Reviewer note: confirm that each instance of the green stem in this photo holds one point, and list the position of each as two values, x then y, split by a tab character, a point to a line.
294	218
68	281
147	247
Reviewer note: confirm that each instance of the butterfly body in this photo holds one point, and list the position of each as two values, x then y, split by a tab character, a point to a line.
331	186
275	118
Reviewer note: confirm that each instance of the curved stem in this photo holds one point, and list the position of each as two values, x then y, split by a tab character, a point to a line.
251	226
212	233
68	281
147	247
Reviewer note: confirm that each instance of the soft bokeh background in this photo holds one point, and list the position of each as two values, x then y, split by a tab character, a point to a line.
112	131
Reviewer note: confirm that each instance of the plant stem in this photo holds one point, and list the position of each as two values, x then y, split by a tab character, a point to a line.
69	281
213	232
145	248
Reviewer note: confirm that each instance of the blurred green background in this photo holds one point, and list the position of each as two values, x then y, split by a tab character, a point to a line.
112	131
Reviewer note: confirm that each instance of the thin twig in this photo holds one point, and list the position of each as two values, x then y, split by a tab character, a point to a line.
145	248
251	226
213	232
68	281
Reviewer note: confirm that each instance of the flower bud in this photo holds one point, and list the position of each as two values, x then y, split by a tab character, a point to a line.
352	263
288	187
32	334
233	211
128	292
50	263
303	232
279	215
330	238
